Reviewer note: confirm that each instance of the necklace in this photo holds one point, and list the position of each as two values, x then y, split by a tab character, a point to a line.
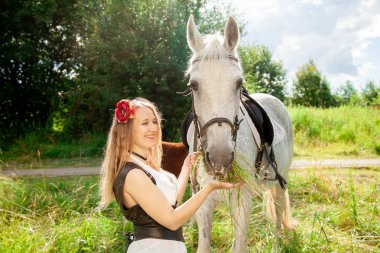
138	155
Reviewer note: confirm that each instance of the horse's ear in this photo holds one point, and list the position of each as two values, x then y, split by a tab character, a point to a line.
231	35
194	38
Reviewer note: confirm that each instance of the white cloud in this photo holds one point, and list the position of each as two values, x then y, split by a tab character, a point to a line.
256	10
315	2
342	37
367	68
289	43
372	29
367	3
360	49
348	23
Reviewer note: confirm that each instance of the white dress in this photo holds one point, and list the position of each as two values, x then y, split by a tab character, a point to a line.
168	184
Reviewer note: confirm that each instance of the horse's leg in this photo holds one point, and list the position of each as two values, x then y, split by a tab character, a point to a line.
204	220
241	205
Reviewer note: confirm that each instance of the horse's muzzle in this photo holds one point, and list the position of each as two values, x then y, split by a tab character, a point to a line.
218	166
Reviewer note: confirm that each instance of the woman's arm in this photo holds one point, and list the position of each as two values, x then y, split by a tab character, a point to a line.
155	204
183	177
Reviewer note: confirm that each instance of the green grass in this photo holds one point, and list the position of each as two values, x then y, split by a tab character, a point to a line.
336	132
36	151
344	132
337	211
57	215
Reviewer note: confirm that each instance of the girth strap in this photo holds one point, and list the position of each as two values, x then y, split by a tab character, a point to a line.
272	162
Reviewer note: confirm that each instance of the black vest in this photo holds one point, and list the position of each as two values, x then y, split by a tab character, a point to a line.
144	225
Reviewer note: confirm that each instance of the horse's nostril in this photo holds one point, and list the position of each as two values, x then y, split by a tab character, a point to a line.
219	173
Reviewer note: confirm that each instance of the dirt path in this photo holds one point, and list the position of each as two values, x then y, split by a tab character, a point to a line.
86	171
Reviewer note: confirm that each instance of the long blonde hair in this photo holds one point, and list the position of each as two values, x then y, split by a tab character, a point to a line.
119	143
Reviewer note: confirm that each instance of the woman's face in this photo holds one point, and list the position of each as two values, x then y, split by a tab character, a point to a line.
145	129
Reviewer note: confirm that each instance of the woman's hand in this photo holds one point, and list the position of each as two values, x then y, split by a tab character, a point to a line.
189	161
183	178
216	185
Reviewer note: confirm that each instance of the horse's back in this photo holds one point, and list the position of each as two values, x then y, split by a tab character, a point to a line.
275	109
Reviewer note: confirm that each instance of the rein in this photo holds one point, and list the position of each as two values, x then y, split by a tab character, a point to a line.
201	130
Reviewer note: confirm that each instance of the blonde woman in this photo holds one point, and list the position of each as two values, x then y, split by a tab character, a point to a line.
147	195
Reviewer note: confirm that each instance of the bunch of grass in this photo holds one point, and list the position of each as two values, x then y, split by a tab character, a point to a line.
242	171
200	157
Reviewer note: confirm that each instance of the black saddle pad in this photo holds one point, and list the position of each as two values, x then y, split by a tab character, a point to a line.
259	117
255	111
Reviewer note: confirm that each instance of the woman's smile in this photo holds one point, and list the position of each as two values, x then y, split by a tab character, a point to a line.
151	137
145	128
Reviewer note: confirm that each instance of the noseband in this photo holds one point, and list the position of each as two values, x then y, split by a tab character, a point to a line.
201	130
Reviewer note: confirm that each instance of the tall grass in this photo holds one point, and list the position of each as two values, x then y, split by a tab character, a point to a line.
337	211
36	150
336	132
57	215
319	133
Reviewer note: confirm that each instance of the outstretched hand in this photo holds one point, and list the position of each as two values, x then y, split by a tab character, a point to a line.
216	185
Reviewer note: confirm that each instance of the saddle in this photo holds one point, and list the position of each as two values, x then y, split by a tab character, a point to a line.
256	113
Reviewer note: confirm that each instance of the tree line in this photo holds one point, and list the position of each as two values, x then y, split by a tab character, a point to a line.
64	64
309	88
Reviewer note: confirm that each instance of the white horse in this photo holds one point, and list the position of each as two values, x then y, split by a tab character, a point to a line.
215	81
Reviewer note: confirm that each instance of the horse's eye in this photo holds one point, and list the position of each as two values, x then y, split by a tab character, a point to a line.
194	84
239	83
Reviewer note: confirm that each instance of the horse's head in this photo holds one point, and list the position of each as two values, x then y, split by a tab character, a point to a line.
215	81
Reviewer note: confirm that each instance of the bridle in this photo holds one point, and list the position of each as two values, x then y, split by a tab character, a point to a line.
200	130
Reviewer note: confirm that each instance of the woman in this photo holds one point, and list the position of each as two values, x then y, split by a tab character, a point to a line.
147	195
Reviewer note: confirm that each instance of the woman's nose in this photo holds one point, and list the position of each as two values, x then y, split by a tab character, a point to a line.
153	127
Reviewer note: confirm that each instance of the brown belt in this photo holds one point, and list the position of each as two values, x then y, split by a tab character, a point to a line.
158	232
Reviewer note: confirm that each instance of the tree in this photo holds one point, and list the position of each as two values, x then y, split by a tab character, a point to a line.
71	61
137	48
370	93
310	88
261	73
346	92
38	47
213	15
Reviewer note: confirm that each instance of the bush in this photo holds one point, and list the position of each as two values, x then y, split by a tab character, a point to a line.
377	149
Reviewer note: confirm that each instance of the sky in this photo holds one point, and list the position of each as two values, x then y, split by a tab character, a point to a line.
342	37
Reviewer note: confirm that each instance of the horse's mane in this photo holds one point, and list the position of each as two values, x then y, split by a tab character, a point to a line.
213	50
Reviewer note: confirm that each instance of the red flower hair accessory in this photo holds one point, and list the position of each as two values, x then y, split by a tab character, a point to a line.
124	110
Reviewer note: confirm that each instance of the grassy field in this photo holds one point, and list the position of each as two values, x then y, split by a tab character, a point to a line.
344	132
336	132
337	211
